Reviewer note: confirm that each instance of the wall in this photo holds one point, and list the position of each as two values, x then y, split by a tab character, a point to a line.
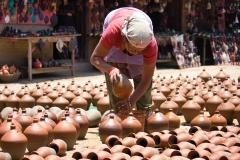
16	52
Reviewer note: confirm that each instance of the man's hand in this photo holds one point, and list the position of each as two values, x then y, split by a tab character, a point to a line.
114	76
123	105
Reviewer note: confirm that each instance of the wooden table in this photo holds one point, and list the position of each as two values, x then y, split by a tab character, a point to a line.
31	40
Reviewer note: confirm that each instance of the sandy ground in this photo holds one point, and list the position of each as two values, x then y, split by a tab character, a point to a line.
96	77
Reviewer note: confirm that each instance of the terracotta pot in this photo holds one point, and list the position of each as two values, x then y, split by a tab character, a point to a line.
188	153
138	135
221	75
217	140
48	127
78	90
127	142
44	152
69	135
225	94
194	129
190	110
53	95
158	99
181	137
39	114
165	90
86	96
204	75
33	156
12	100
226	109
120	148
171	152
235	100
94	117
234	149
24	119
199	100
218	120
60	102
44	100
198	138
83	153
58	86
48	89
26	101
13	114
52	157
14	143
3	99
6	91
110	140
147	152
101	147
201	121
5	127
79	102
183	145
118	156
169	104
49	120
215	133
59	145
37	136
173	119
83	122
62	90
21	92
68	95
103	104
167	140
50	114
192	93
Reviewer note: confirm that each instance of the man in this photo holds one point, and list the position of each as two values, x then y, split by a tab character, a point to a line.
127	46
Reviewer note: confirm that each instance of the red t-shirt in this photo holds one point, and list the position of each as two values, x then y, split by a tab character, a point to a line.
112	36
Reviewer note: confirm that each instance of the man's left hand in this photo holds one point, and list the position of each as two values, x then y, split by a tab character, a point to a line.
123	105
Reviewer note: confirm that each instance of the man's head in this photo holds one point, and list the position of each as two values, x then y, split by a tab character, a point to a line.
137	31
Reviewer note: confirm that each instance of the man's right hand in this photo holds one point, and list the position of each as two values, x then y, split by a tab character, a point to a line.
114	76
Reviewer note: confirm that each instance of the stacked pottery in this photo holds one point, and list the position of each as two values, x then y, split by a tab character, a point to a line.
37	136
157	122
190	110
109	127
14	143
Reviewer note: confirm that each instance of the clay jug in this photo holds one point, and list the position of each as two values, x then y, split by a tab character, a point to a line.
14	143
50	114
83	122
24	119
62	90
21	92
201	121
12	100
49	89
3	99
190	110
221	75
158	99
94	91
225	94
58	86
37	93
218	120
86	96
53	95
68	135
130	124
103	104
48	127
6	91
60	102
98	96
180	100
74	122
226	109
26	101
78	90
37	136
199	100
157	122
212	103
109	127
235	100
79	102
44	100
173	119
165	106
73	86
69	95
204	75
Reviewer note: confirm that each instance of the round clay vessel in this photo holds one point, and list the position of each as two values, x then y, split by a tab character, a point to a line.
39	114
14	143
62	90
48	127
68	135
107	116
49	89
201	121
69	95
53	95
78	90
221	75
103	104
49	120
52	157
97	97
60	102
190	110
212	103
5	127
158	99
218	120
6	91
225	94
94	91
74	122
235	100
165	90
173	119
199	100
169	104
26	101
204	75
50	114
86	96
79	102
72	86
59	145
24	119
83	122
44	100
226	109
12	100
44	152
21	92
37	136
94	117
58	86
109	127
180	100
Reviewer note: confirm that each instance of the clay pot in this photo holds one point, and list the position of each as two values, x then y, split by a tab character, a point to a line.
68	95
169	104
190	110
146	141
49	120
192	93
37	136
101	147
94	91
33	156
62	90
201	121
39	114
26	101
48	127
14	143
198	138
13	114
3	99
5	127
157	122
226	109
182	137
53	95
58	86
107	116
225	94
173	119
171	152
158	99
127	142
103	104
118	155
204	75
221	75
24	119
212	103
123	89
44	152
48	89
183	145
94	117
60	102
167	140
6	91
165	90
78	90
110	140
52	157
74	122
217	140
147	152
199	100
130	124
97	97
83	123
59	145
218	120
68	135
86	96
44	100
21	92
79	102
120	148
50	114
235	100
234	149
12	100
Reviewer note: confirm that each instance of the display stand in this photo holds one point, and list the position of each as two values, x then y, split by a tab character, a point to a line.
31	40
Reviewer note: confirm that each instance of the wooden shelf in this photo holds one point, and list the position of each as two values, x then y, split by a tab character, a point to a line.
52	69
164	60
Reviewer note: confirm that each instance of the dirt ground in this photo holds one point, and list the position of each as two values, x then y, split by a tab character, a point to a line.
97	77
